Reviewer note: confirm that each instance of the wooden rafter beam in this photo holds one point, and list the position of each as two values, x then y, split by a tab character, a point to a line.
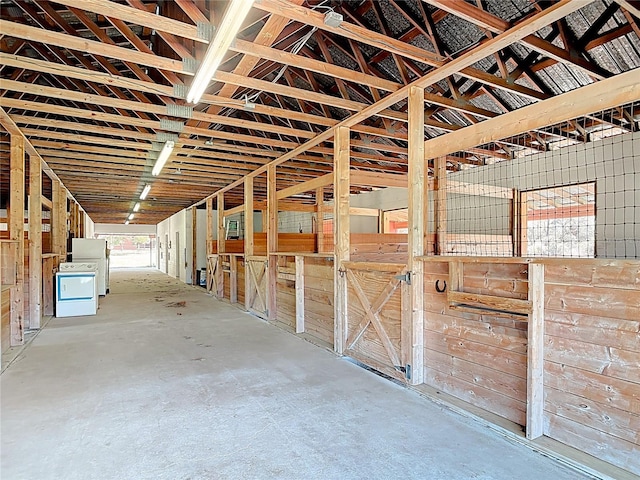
526	27
495	24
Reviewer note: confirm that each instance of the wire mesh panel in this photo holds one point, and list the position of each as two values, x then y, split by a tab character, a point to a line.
568	190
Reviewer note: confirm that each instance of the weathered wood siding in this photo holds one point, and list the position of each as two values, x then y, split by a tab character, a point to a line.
478	358
592	358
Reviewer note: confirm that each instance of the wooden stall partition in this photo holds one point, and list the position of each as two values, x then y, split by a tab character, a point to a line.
286	291
50	263
287	242
240	280
592	357
318	298
473	354
305	296
379	247
8	275
232	277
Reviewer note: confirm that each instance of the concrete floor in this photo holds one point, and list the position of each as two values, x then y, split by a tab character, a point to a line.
150	390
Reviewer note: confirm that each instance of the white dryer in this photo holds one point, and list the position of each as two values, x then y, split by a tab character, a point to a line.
76	289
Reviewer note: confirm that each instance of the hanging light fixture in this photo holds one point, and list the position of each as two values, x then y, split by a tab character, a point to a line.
163	157
131	215
228	29
136	207
145	191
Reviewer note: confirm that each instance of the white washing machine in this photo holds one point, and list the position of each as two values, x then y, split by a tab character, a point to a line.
76	289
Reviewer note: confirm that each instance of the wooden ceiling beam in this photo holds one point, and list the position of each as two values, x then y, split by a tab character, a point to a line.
92	47
137	17
527	27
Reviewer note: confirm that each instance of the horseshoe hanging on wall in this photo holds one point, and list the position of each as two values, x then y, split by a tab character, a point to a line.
441	290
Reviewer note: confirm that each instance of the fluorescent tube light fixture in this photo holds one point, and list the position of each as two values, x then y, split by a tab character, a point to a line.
225	34
163	157
136	207
145	191
131	215
127	222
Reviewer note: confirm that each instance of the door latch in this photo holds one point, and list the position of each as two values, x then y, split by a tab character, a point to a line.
404	277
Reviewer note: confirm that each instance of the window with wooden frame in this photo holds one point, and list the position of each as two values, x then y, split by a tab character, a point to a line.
561	221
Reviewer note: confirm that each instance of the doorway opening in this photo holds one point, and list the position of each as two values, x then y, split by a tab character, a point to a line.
130	251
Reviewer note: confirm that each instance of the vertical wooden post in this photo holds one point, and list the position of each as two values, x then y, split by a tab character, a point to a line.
523	243
221	233
535	353
35	240
320	219
514	223
248	238
440	169
82	224
414	351
16	232
272	243
233	279
194	245
341	233
209	247
299	294
59	220
221	245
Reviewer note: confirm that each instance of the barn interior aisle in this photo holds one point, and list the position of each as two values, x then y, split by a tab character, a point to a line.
167	383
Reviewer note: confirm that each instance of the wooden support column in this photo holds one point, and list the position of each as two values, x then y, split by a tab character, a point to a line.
35	241
209	247
535	353
82	224
59	220
16	232
440	211
221	245
523	223
299	294
341	233
320	218
413	334
248	238
233	279
272	243
194	245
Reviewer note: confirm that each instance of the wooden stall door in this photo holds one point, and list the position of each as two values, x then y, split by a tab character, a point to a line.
378	320
212	273
256	270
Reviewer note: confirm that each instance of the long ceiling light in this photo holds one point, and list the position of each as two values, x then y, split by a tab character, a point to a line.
228	29
136	207
130	217
145	191
163	157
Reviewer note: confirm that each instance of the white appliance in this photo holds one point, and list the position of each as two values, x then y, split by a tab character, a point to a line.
76	289
94	251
